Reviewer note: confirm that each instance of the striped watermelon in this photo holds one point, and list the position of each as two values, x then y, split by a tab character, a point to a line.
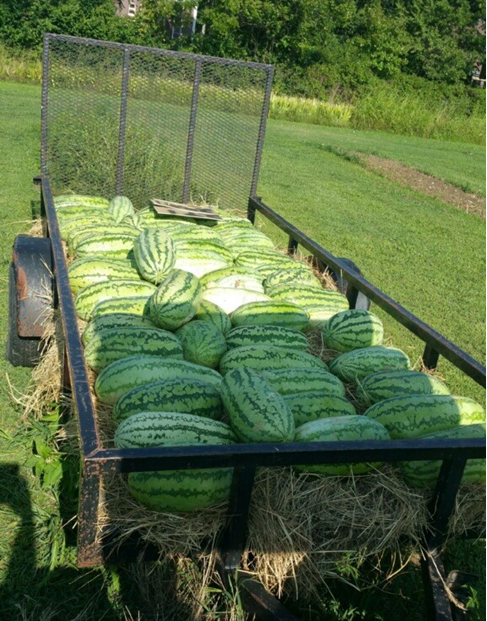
353	329
270	313
212	277
82	233
230	299
155	255
268	357
171	429
113	320
425	473
175	301
386	384
190	248
340	429
202	342
90	270
189	396
134	305
87	298
177	491
302	380
306	296
257	413
291	278
116	246
412	416
267	335
120	207
111	344
207	311
68	225
354	365
310	406
200	263
238	281
121	376
69	200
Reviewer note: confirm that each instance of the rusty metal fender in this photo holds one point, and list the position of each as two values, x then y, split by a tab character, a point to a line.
33	277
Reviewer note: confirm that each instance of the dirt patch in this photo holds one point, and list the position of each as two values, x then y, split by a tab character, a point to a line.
426	184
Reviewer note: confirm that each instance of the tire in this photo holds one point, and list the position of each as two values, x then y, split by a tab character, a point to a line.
20	352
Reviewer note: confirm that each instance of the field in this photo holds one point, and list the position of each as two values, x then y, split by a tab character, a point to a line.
427	255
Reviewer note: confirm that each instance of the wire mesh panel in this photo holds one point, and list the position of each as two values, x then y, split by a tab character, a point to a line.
143	122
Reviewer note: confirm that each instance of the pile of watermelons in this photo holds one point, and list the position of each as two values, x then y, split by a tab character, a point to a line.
198	333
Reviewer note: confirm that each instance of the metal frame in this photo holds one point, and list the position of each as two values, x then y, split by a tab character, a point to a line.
245	458
199	62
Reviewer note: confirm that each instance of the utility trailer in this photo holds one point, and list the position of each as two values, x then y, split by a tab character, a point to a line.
203	119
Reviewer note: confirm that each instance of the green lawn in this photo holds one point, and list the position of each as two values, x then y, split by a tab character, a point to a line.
458	163
428	256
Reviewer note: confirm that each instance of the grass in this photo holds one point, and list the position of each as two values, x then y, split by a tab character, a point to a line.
383	107
425	254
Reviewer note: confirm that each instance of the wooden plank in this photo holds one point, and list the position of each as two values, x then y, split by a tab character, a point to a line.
169	208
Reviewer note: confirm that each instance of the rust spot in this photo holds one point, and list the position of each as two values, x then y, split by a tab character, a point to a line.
21	284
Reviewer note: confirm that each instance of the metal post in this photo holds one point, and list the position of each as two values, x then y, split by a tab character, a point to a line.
44	101
123	121
430	357
191	130
260	139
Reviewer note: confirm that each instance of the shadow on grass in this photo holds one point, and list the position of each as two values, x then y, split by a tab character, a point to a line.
31	591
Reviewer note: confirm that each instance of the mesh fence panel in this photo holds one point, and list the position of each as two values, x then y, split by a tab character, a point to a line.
151	123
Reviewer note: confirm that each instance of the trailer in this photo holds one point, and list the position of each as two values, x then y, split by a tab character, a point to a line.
204	120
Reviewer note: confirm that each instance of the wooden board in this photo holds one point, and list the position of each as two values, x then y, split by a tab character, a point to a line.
168	208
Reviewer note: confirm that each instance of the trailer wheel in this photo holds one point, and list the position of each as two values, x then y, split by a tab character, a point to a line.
20	351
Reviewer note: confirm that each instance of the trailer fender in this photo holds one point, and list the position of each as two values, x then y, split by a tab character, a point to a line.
30	298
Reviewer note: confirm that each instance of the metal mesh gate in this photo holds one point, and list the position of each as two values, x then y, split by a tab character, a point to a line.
144	122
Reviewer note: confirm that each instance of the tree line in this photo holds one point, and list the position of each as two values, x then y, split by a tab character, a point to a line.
318	46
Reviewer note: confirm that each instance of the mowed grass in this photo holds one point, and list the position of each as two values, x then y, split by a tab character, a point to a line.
426	255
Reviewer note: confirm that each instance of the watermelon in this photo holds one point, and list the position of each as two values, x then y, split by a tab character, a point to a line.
116	246
386	384
113	320
134	305
175	301
257	413
302	380
412	416
120	207
207	311
82	233
111	344
353	329
90	270
155	255
340	429
178	491
121	376
230	299
425	473
73	223
189	396
270	313
354	366
238	281
291	278
200	262
87	298
69	200
308	406
267	335
212	277
202	342
171	429
268	357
